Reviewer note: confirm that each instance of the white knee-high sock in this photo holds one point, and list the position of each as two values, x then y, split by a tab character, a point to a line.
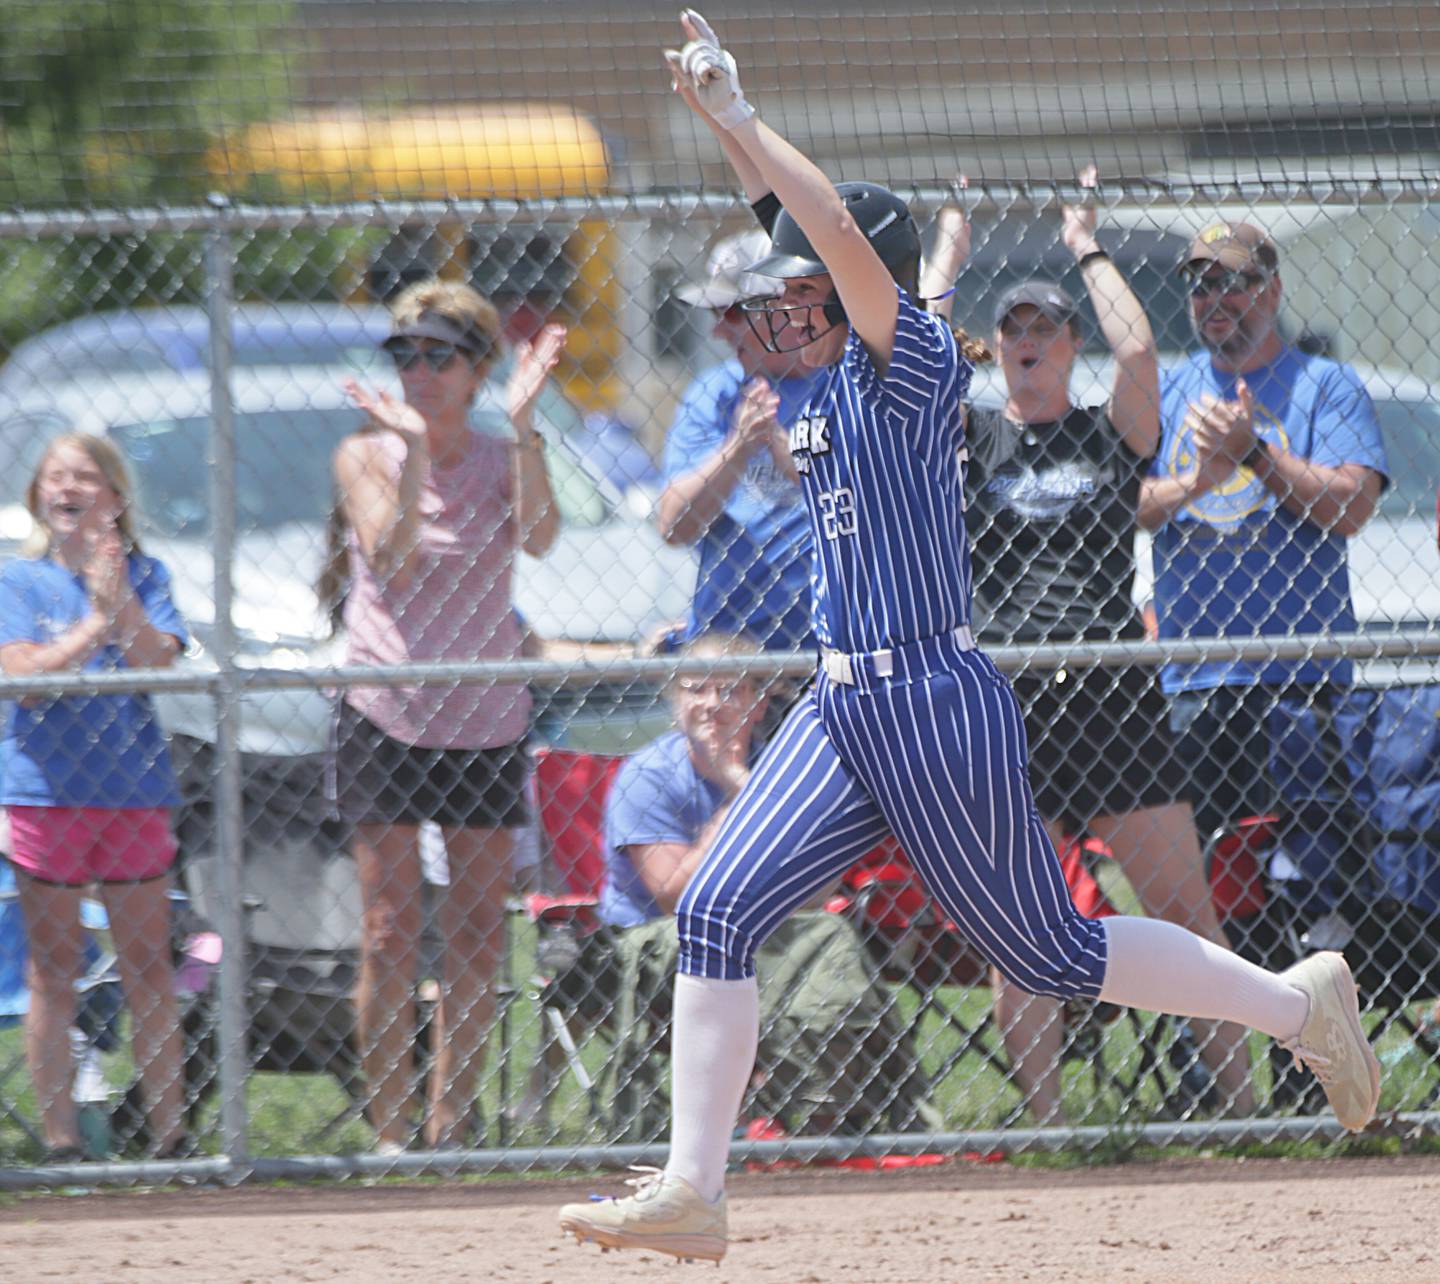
712	1052
1163	968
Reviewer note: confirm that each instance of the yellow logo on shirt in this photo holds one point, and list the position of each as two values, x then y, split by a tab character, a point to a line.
1240	494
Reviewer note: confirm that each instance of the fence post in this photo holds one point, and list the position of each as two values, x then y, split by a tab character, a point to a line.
229	783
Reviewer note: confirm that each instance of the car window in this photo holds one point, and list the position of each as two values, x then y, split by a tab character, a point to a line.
581	499
49	361
282	468
51	357
577	495
1412	443
359	356
283	471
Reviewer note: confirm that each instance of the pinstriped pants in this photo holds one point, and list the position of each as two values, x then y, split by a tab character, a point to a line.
936	756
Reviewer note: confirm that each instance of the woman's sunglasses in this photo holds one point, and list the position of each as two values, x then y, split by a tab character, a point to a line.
438	356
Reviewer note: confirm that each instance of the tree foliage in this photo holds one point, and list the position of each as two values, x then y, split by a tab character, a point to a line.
118	102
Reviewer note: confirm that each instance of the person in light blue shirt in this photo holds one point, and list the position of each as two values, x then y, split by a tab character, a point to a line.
731	489
87	780
832	1049
667	799
1270	459
84	751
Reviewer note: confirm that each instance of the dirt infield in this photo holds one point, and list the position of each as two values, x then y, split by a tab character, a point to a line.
1276	1220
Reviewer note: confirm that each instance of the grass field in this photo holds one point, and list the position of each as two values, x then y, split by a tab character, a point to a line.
306	1114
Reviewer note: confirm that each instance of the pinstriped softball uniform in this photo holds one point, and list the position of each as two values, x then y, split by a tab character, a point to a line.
878	463
938	758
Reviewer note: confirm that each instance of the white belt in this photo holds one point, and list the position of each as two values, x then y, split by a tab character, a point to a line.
839	666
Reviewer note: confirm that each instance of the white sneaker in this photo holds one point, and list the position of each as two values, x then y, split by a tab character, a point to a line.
1332	1042
665	1214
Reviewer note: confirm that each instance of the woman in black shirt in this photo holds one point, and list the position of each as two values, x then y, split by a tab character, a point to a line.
1051	497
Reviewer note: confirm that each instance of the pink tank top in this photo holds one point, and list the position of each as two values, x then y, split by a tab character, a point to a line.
457	606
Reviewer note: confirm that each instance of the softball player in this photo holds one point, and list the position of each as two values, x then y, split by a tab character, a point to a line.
909	729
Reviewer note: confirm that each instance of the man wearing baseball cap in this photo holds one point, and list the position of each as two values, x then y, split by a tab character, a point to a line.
1269	460
730	487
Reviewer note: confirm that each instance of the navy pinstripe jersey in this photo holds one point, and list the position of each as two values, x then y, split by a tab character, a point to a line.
881	465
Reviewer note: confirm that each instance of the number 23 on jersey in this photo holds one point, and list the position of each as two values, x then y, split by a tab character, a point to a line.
837	512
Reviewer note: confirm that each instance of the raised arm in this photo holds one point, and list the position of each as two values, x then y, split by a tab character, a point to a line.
752	183
1135	396
537	517
383	510
861	280
949	254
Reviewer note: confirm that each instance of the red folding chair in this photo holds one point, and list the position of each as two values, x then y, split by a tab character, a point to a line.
1261	928
916	944
570	792
1237	879
912	937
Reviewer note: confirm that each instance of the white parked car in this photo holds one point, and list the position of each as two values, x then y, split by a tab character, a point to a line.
1394	560
609	575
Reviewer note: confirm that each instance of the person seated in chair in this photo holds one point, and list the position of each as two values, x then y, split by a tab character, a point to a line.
833	1051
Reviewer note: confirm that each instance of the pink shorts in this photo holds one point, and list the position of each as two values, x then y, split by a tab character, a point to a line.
73	846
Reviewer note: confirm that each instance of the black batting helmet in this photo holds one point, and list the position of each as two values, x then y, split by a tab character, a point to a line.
883	218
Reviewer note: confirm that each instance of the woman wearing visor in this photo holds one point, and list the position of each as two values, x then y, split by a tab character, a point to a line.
433	513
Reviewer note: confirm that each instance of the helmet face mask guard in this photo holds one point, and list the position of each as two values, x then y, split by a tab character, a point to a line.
887	224
769	320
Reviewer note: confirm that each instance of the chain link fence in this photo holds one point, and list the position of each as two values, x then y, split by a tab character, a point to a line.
540	1021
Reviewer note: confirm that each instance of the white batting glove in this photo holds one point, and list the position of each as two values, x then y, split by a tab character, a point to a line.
713	76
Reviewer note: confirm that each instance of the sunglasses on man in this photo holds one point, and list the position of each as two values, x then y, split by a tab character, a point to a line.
438	356
1226	283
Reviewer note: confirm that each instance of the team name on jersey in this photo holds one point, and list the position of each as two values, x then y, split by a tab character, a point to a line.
809	436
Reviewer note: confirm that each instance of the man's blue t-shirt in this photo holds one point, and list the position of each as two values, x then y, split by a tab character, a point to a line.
83	751
657	796
1237	562
755	559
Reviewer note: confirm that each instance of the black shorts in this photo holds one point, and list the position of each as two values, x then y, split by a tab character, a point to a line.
1230	741
1100	743
376	780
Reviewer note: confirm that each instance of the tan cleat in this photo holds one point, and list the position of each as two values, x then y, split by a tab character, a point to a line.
1332	1042
665	1214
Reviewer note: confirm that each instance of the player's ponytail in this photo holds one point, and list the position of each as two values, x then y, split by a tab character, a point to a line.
975	351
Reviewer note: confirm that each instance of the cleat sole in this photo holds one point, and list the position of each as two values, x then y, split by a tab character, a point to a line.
709	1248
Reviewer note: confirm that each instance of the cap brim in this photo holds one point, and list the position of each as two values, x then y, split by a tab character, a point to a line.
1045	297
714	294
438	329
1059	316
1231	257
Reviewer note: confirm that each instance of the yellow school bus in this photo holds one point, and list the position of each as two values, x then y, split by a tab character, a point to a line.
515	151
